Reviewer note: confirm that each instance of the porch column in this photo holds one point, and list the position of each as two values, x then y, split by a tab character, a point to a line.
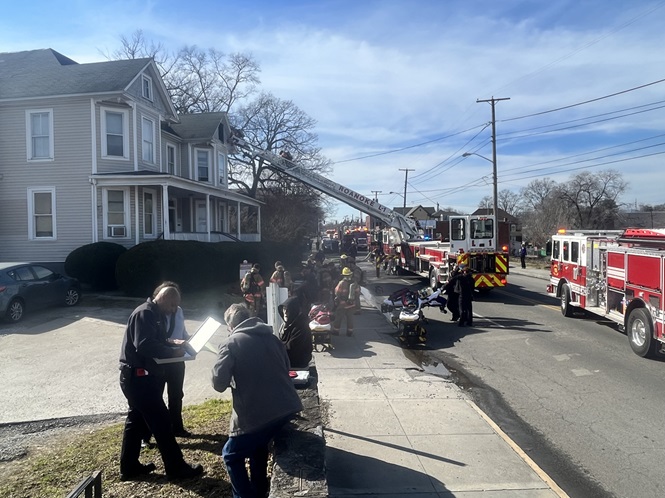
258	221
137	205
165	212
238	220
208	217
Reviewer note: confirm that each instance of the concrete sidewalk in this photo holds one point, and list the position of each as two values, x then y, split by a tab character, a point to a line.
394	428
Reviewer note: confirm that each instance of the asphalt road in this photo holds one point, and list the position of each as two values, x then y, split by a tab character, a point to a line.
570	391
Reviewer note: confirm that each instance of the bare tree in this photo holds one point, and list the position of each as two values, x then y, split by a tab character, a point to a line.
197	80
210	81
593	198
507	200
542	211
274	124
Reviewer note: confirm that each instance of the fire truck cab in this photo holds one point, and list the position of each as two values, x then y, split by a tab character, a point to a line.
619	275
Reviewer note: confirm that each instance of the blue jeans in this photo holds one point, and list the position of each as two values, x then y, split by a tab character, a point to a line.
255	447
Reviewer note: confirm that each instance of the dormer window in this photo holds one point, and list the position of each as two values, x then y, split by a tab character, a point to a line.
146	85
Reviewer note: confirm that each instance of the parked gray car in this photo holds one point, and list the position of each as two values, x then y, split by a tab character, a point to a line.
29	286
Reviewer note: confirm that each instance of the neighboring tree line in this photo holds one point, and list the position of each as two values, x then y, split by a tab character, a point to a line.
201	80
588	201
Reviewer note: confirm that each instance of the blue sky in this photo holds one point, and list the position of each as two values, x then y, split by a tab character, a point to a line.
401	78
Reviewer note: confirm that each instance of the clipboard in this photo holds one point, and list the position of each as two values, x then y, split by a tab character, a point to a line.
196	342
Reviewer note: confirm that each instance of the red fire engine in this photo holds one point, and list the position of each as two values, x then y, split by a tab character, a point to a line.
619	275
471	242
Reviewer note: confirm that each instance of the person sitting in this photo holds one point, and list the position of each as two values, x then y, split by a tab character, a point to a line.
295	333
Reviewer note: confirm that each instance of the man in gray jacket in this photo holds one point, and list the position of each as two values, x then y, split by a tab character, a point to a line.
254	364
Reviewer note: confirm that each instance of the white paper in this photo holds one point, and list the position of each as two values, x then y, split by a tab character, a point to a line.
197	341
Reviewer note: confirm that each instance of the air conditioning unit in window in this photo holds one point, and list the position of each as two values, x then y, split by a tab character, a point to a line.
117	231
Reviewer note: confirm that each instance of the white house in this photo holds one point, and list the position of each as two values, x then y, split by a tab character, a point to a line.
96	152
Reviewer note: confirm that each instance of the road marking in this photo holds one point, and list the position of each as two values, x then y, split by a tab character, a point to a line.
476	315
540	472
581	372
531	301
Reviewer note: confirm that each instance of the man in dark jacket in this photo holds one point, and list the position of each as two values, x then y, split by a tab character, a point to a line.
254	363
464	287
453	297
142	382
295	333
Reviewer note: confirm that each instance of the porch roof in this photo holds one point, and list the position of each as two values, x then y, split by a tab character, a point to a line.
153	178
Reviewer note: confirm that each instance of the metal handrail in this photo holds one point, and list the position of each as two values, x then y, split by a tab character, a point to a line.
91	486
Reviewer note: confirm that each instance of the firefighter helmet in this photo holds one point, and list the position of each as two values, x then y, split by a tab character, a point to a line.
347	272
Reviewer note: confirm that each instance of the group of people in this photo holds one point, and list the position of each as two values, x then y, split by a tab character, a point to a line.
264	399
252	285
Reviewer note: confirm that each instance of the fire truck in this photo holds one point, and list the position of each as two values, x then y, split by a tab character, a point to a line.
619	275
471	241
362	238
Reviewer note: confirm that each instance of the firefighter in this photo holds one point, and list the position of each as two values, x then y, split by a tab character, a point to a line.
453	297
252	287
464	287
345	297
282	277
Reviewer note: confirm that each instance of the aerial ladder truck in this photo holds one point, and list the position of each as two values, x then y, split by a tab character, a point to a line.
471	242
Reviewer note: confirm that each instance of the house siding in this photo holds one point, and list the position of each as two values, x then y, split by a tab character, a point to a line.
67	172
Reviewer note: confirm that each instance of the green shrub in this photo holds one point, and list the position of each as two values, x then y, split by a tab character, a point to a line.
94	264
196	266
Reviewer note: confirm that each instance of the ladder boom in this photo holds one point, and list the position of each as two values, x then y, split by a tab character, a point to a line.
327	186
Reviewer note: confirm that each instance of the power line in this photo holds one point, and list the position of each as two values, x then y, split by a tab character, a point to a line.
409	147
585	102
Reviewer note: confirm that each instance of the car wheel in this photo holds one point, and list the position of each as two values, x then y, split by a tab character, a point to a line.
15	310
72	297
640	333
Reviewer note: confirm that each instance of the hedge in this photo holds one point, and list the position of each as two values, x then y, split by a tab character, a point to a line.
197	266
94	264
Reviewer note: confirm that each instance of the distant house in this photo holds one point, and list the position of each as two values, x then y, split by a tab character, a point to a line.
96	152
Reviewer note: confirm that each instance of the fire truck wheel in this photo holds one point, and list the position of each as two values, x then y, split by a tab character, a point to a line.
640	333
566	308
434	279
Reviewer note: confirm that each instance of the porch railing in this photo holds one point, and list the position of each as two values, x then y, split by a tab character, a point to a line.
214	237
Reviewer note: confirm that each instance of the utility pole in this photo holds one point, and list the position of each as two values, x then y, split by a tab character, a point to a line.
495	196
406	177
376	194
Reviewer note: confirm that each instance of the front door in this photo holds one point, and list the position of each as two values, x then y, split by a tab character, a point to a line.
201	217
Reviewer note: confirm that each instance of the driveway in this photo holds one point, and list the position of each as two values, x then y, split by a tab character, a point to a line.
63	362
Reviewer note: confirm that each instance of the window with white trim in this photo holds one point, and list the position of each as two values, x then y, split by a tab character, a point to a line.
149	196
115	133
146	87
41	213
171	159
116	213
39	134
221	160
203	165
148	140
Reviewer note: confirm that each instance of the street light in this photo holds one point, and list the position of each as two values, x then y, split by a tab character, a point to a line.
495	196
403	196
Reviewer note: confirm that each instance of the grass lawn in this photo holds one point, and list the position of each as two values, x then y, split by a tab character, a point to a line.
55	470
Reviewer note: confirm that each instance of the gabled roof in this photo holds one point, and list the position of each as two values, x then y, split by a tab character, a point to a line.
45	73
198	126
503	215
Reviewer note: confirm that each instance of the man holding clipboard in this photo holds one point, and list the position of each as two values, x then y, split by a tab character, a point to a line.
142	382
